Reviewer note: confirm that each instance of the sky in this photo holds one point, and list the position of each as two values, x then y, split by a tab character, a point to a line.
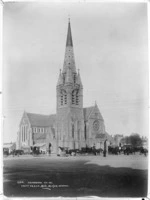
111	50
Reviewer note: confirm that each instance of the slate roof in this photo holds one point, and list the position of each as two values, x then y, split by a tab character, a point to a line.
39	120
87	111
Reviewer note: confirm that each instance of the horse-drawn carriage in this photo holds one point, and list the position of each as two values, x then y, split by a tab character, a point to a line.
83	151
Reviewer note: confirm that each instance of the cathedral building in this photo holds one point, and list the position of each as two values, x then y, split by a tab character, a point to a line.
73	126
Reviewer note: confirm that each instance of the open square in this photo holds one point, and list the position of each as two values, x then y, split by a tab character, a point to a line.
111	176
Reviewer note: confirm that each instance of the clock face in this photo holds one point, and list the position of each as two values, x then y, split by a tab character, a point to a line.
96	125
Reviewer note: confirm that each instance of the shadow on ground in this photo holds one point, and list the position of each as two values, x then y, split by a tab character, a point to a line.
71	178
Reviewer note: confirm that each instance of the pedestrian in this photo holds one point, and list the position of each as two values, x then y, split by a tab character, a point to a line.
119	149
59	151
104	152
50	149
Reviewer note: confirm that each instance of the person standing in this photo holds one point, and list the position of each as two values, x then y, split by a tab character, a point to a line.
50	149
104	152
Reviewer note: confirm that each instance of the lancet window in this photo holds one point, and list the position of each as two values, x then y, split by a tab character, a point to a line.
63	98
73	130
75	97
74	78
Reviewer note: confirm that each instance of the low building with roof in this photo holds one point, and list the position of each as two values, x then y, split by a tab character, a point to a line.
9	147
117	139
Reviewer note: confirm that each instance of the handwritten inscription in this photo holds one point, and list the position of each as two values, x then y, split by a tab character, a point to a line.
39	184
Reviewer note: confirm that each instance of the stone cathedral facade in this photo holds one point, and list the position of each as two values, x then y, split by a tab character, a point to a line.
73	126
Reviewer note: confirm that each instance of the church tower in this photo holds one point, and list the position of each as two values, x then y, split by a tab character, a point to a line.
70	118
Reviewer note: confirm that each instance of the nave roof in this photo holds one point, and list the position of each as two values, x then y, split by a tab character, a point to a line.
41	120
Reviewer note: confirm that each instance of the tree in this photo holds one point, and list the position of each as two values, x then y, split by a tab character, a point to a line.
125	140
135	139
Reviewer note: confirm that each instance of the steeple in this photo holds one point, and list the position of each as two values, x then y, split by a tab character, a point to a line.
69	85
69	61
69	36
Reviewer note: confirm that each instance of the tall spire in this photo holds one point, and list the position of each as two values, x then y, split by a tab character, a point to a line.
69	36
69	61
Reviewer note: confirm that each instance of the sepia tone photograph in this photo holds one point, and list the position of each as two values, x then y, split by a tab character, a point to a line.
75	99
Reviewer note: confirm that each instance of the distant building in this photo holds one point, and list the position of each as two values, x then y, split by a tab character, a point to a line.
145	142
117	140
72	126
9	147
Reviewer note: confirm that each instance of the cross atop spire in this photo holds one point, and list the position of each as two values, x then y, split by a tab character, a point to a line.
69	36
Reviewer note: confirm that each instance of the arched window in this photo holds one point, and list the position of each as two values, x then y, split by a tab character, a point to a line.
26	131
73	97
22	133
63	98
78	134
74	78
73	130
85	130
77	98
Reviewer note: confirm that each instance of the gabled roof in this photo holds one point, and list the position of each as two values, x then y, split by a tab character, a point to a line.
87	111
41	120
